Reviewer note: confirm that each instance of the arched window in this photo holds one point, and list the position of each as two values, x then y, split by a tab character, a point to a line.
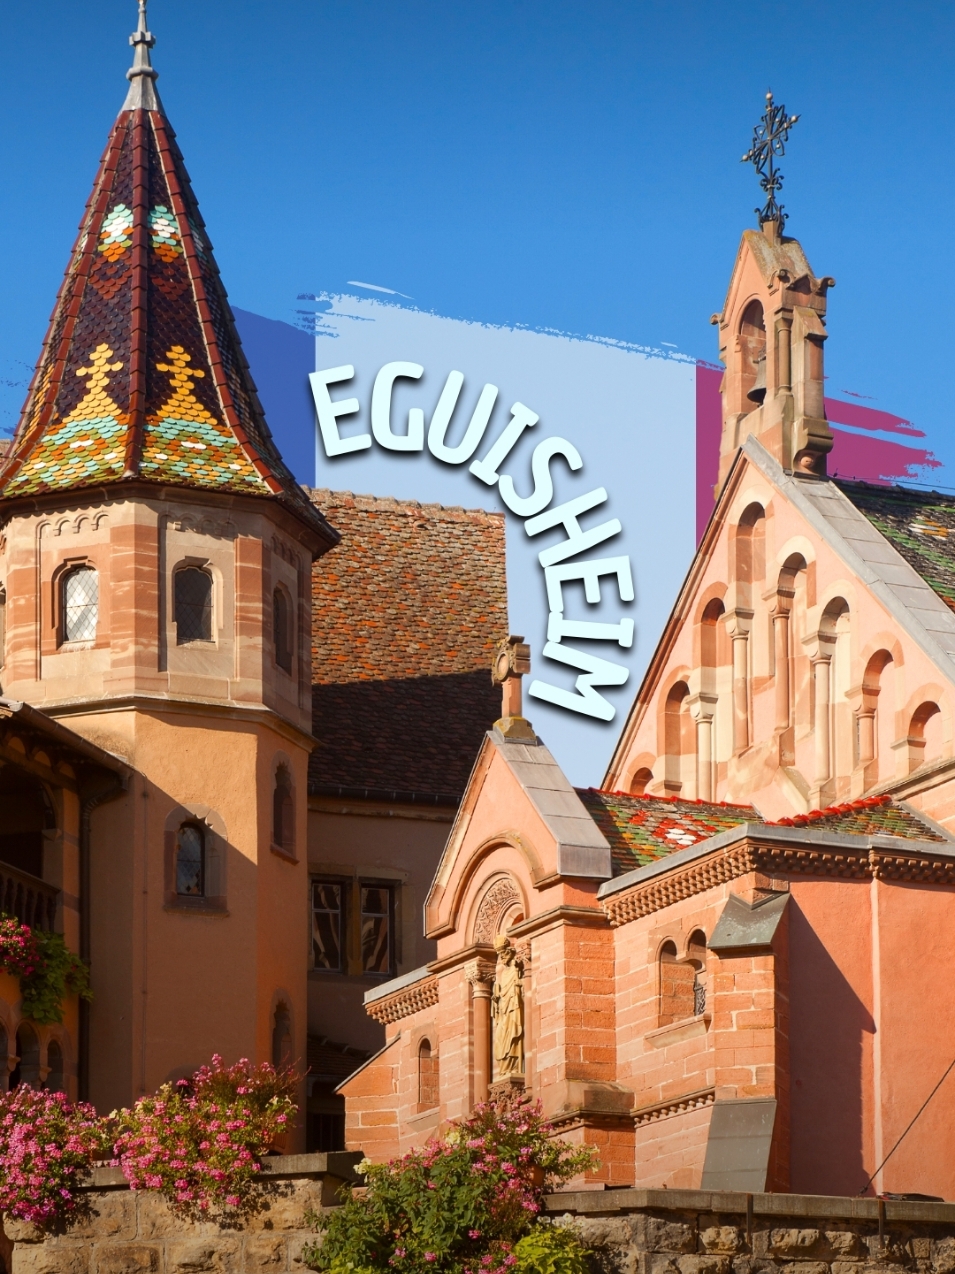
191	861
638	784
752	346
282	628
925	735
871	720
710	639
80	599
427	1076
283	811
54	1066
27	1069
677	736
696	958
193	605
282	1038
682	987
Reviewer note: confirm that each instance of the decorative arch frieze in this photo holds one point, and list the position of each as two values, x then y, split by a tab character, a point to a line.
500	897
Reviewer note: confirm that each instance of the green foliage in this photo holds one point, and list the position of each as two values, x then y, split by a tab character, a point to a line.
550	1249
457	1206
59	974
44	966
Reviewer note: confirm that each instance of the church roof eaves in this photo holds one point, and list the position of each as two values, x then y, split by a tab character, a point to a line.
821	830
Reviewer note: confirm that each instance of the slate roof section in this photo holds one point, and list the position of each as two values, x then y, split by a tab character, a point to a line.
142	374
582	847
919	524
641	829
406	614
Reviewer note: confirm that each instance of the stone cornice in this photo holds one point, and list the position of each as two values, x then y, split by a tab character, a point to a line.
675	1106
846	857
411	999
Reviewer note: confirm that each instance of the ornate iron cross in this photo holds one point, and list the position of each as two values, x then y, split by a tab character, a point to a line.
769	139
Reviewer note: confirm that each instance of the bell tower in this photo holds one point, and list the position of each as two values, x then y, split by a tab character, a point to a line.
772	330
156	557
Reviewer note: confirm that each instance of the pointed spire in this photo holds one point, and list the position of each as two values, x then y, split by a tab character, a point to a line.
142	378
142	93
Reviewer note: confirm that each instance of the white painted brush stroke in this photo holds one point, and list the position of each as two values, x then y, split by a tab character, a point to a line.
630	412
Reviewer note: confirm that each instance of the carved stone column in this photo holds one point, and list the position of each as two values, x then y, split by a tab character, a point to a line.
480	973
740	636
703	707
781	660
822	725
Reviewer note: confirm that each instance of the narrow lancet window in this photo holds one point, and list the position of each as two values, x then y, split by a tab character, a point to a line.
193	605
80	604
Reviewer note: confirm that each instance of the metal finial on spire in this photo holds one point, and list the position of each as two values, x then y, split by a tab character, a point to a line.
769	139
142	93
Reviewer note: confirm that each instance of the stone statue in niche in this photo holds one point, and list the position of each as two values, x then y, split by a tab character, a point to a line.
507	1007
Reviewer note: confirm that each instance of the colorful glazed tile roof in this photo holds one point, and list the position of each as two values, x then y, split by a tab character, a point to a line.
641	829
872	816
142	375
918	524
407	611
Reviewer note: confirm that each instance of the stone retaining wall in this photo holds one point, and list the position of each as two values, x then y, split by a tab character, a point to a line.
629	1231
132	1232
704	1232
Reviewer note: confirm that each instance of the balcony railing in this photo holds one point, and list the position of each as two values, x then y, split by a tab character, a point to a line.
32	901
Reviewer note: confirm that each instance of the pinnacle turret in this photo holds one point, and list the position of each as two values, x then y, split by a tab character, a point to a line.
142	77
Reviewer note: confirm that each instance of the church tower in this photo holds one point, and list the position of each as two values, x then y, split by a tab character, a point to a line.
156	560
772	331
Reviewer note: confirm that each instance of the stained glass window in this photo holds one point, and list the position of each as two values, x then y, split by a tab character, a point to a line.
376	907
190	862
193	590
80	604
327	927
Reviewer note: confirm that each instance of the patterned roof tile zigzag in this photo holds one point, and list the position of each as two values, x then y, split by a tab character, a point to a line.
142	374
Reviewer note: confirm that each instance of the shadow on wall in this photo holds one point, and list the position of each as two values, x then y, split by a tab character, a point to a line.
827	1024
397	735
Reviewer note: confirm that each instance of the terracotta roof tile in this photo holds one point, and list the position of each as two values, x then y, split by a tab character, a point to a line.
406	613
641	829
872	816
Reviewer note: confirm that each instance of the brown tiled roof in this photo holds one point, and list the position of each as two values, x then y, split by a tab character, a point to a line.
330	1062
641	829
406	613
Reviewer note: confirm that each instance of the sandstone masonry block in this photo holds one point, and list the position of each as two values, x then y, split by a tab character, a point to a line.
203	1256
265	1251
51	1260
126	1258
722	1238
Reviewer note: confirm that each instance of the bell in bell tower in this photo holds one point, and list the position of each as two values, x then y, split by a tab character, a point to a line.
772	329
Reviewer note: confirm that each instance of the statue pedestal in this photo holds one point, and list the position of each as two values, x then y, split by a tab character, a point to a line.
509	1086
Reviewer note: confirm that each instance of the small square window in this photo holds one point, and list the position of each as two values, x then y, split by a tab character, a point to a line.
377	924
327	925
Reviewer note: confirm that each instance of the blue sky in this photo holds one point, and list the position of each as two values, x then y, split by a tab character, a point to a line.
564	165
